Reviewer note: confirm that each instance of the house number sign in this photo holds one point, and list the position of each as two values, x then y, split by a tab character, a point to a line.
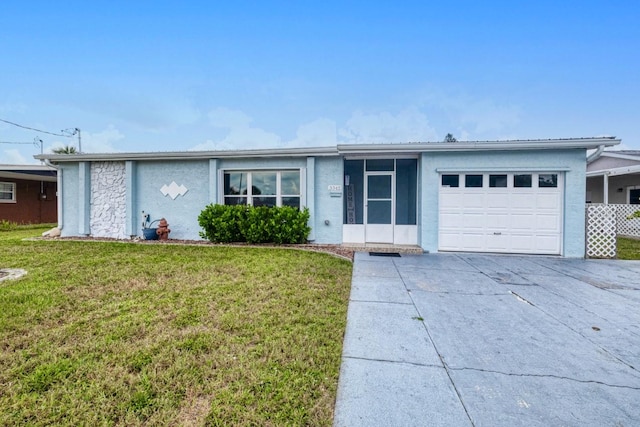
335	190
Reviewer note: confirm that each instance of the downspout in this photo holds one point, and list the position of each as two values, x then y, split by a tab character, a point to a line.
594	156
59	190
605	177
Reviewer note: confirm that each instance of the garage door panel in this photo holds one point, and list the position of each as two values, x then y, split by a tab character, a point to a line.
498	221
449	200
521	221
507	220
524	201
450	219
496	243
547	201
498	201
472	241
547	223
547	243
522	243
471	201
474	220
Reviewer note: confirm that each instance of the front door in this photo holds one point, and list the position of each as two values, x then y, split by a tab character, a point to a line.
379	207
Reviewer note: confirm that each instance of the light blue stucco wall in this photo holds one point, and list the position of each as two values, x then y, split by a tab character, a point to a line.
574	187
69	199
202	180
328	207
182	212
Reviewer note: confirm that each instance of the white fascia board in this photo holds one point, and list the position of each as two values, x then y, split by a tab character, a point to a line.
191	155
37	168
26	176
625	170
419	147
620	156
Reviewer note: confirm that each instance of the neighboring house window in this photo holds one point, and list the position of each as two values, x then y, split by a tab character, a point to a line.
262	188
7	192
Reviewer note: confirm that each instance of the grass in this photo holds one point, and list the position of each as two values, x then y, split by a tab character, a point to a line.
106	333
628	248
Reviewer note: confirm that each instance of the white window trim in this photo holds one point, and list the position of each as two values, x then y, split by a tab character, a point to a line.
249	194
13	192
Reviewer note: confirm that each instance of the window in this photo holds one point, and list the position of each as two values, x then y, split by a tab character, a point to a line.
522	181
497	180
262	188
473	180
450	180
548	180
7	192
380	165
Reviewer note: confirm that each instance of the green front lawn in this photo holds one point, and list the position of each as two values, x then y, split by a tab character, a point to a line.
107	333
628	248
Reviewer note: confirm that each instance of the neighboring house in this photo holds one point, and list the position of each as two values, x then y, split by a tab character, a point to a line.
523	196
28	194
613	177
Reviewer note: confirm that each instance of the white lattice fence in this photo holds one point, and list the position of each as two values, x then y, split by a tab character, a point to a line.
624	225
601	231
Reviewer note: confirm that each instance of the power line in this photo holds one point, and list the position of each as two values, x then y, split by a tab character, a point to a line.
14	142
37	130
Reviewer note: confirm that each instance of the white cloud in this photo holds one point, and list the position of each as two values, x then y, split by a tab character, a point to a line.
13	157
240	134
229	119
409	125
485	116
472	116
101	142
318	133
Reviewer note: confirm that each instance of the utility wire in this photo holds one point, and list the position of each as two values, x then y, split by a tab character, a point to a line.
13	142
37	130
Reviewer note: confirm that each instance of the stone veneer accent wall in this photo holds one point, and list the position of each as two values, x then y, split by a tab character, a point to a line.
108	200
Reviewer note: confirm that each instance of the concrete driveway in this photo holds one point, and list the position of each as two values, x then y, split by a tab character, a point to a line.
488	340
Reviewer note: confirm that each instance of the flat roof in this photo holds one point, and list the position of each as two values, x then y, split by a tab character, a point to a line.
344	149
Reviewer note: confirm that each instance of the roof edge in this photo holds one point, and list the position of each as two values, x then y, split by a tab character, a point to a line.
529	144
408	147
191	155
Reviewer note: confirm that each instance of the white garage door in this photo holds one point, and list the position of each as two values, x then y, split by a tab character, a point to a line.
501	212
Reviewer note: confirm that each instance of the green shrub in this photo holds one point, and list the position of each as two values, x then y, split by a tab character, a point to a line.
259	225
239	223
222	224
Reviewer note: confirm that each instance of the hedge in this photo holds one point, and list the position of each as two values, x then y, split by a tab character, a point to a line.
242	223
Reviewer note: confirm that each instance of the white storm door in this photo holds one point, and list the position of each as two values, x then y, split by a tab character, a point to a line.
379	207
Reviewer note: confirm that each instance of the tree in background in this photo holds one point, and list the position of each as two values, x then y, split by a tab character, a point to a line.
450	138
67	149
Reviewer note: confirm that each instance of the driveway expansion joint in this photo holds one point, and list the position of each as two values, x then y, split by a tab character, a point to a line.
557	377
381	302
398	362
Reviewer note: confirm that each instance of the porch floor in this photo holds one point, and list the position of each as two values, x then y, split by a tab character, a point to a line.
384	247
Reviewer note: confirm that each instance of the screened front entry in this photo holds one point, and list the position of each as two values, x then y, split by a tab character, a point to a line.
380	203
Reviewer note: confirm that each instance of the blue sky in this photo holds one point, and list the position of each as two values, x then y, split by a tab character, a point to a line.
165	76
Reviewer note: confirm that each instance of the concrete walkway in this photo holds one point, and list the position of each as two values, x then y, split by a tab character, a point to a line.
487	340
